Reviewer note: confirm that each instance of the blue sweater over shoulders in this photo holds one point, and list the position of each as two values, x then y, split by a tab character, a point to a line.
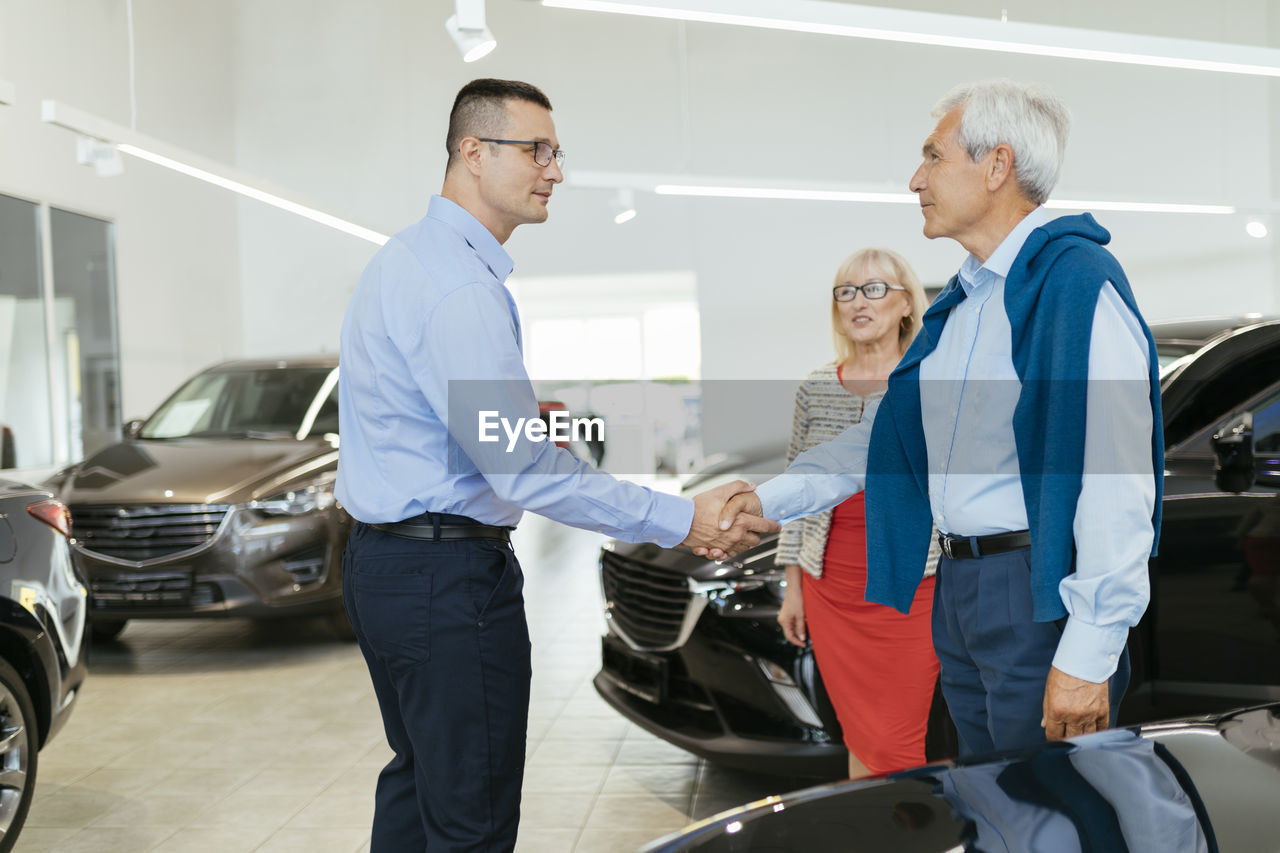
1051	294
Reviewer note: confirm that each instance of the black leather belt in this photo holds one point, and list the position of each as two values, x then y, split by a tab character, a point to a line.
437	528
968	547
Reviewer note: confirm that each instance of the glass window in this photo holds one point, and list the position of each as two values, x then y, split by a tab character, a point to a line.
25	418
85	350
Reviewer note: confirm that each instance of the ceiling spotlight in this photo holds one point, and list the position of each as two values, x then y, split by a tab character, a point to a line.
1256	229
624	206
102	156
469	32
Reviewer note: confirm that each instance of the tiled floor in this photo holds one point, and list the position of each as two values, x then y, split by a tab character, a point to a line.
229	736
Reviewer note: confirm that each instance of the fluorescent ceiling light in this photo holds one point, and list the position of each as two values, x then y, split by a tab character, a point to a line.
1142	207
703	186
910	198
8	93
790	194
929	28
193	165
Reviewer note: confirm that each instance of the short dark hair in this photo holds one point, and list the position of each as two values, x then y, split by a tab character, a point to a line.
481	109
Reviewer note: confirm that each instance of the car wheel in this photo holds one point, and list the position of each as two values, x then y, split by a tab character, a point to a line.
18	752
106	630
341	625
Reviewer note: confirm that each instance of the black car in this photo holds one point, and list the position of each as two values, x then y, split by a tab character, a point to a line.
694	654
1201	784
42	641
219	504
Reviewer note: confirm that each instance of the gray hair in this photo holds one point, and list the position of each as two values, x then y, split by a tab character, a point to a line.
1031	120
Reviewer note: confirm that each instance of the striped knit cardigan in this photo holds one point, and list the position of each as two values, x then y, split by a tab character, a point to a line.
824	409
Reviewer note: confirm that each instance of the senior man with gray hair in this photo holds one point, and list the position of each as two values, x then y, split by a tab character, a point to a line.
1024	422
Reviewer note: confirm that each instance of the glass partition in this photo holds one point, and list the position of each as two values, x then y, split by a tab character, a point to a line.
59	353
26	435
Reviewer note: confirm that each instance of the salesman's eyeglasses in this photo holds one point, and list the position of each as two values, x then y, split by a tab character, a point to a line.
542	152
871	290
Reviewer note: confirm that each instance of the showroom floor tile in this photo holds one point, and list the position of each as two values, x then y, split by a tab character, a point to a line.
229	736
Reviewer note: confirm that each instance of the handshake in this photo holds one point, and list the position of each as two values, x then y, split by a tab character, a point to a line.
727	520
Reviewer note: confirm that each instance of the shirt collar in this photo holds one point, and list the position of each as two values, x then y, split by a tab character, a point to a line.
1002	258
477	236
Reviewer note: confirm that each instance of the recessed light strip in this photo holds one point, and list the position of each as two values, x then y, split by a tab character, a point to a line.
907	198
1143	207
194	166
784	193
928	28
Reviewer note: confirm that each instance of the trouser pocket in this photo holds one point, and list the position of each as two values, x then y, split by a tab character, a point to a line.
495	577
394	612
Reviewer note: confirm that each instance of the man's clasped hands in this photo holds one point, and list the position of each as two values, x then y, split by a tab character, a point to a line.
727	520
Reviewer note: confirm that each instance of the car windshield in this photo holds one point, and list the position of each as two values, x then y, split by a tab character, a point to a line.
266	402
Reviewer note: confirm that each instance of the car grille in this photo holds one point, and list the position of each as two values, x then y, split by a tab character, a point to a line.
142	589
141	533
647	604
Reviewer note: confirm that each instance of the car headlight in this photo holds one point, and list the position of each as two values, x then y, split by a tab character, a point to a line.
774	581
300	501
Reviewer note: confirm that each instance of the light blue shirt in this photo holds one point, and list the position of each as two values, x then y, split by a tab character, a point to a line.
968	390
430	340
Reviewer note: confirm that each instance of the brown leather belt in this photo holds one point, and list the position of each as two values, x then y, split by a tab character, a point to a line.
442	530
968	547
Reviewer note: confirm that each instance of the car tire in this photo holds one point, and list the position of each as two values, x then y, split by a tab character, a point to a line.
19	750
105	631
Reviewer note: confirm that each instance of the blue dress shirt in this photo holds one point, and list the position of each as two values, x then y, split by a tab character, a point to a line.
968	390
432	338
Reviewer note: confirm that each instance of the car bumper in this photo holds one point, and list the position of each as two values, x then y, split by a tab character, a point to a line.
253	567
754	754
710	698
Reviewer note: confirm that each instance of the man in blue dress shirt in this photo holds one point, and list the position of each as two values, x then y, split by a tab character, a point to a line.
431	349
1024	422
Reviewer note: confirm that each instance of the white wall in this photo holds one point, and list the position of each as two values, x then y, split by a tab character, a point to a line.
347	103
176	240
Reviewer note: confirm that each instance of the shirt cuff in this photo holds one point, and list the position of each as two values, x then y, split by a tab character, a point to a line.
1090	652
777	494
670	521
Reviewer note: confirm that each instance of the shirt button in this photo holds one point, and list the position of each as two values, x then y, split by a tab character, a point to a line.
1111	657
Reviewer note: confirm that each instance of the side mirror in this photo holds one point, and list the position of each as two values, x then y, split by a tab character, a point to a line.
1235	470
133	428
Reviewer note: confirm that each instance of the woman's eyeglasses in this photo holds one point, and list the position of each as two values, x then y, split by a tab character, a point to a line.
871	290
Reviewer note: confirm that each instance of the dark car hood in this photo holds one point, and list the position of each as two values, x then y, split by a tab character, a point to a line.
1200	781
194	470
682	560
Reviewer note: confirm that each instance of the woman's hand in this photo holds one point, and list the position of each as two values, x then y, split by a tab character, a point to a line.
791	614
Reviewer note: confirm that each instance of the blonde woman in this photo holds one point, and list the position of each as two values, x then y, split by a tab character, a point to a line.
878	665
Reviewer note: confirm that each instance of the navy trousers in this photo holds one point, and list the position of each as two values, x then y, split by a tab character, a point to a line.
994	657
442	628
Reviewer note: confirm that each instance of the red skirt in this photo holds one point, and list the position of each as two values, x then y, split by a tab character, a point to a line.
878	665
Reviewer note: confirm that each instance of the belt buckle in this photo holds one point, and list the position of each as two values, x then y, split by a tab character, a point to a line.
946	547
